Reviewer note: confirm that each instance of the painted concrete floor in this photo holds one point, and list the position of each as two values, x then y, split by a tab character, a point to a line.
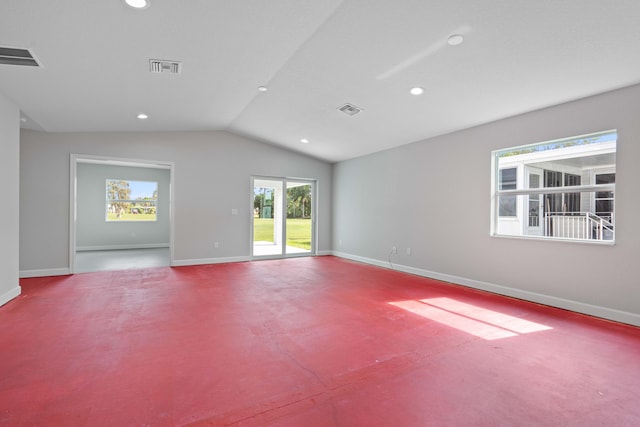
312	341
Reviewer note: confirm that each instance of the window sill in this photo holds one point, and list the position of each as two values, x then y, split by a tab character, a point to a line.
557	240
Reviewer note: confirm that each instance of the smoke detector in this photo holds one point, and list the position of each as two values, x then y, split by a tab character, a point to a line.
350	109
165	67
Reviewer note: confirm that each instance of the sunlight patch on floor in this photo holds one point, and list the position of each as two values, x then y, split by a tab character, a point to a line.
270	248
474	320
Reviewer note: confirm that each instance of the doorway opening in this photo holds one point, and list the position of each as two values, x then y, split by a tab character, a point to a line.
283	220
120	214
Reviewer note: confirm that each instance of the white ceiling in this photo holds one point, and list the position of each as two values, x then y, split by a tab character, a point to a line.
314	56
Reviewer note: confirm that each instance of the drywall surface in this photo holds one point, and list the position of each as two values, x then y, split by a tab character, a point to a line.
94	232
9	214
434	196
212	172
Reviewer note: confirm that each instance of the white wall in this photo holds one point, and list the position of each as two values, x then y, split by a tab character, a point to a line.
9	213
211	177
434	197
94	233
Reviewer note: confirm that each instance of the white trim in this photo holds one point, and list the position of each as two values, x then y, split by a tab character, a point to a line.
9	295
592	176
113	161
576	306
73	195
45	272
88	158
119	247
203	261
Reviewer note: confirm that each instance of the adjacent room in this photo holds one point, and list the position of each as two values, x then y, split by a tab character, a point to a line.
122	215
336	213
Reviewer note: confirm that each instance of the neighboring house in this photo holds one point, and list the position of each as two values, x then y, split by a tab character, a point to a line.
586	166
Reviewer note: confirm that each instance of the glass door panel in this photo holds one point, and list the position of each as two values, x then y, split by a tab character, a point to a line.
299	225
267	217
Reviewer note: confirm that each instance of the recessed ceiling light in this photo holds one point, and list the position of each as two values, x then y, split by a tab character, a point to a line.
416	91
455	40
137	4
23	119
304	140
142	116
262	88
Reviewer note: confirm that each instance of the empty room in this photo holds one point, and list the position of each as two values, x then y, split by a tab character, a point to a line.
303	213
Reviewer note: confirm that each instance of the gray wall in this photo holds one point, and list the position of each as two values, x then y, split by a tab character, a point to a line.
434	197
9	214
93	232
211	177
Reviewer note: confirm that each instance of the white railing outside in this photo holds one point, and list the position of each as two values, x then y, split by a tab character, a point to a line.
577	225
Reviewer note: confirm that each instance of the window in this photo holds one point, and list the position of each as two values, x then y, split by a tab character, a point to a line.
604	199
131	200
563	189
507	204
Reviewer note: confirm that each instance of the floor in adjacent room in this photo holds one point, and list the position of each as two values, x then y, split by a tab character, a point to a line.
317	341
122	259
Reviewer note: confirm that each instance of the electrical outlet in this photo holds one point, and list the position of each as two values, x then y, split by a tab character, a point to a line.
408	251
216	245
394	250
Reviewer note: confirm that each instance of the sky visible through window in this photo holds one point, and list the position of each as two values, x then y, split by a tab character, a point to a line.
142	189
563	143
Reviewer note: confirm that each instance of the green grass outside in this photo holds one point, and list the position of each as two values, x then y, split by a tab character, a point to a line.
298	232
131	217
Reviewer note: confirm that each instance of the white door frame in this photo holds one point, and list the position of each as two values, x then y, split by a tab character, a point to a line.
283	209
114	161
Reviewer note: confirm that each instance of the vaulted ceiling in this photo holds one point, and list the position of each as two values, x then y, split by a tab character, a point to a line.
313	57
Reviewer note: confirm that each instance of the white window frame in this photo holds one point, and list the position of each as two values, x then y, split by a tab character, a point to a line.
496	192
132	201
601	171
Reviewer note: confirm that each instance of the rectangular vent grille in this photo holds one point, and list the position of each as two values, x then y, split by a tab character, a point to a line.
13	56
350	109
162	66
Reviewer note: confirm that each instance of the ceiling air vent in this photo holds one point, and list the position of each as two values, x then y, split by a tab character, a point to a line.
14	56
350	109
163	66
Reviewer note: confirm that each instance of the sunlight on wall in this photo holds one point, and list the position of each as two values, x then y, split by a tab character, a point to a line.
477	321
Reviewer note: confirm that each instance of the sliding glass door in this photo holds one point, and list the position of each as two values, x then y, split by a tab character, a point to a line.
283	217
299	223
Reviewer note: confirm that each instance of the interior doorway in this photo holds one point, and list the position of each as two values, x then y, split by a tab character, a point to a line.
283	220
120	214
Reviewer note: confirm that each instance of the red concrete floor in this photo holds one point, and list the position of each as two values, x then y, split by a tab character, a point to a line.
304	342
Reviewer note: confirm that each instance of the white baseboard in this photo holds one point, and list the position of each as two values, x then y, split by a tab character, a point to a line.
176	263
120	247
186	262
9	295
202	261
45	272
579	307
